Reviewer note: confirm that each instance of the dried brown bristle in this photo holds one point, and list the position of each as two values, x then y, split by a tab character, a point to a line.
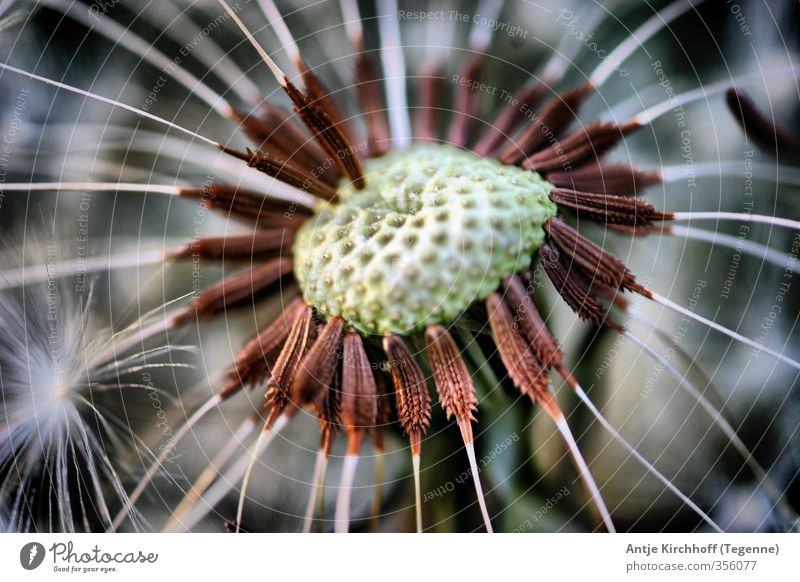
764	132
262	132
411	392
359	391
528	375
465	105
611	295
244	246
453	382
591	141
319	96
502	128
608	209
612	179
267	211
457	397
234	289
372	105
329	410
428	111
572	288
532	325
595	262
300	337
277	138
555	115
330	136
252	364
300	138
282	170
313	377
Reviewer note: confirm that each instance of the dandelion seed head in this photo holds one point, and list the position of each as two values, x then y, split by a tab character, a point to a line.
42	355
360	226
61	438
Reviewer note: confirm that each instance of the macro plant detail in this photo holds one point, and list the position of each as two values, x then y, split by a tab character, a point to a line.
403	241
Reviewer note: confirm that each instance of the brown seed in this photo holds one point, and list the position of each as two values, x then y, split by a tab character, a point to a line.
571	286
245	246
359	391
428	111
764	132
502	128
411	392
546	125
592	141
329	411
319	95
611	179
330	136
531	324
528	375
234	289
312	379
453	382
253	362
372	105
466	100
301	139
282	170
300	337
359	401
265	210
608	209
274	136
595	262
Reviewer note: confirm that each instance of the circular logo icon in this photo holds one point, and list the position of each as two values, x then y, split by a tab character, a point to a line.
31	555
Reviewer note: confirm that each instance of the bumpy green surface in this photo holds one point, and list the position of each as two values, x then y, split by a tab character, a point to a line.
435	229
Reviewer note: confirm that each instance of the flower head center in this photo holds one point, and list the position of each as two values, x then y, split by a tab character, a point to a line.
435	229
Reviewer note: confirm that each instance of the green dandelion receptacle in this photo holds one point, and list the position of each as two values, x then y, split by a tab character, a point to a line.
435	230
